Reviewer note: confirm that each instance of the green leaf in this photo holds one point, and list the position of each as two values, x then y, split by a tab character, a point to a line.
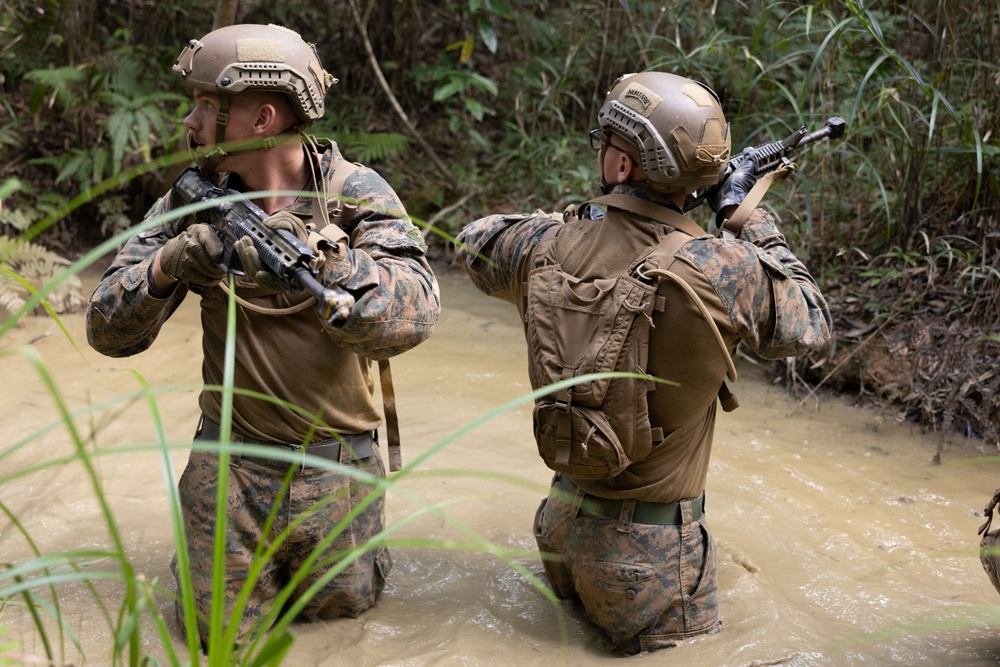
449	90
488	35
476	108
485	83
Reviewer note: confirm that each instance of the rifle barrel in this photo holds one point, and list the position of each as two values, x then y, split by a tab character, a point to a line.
333	305
834	129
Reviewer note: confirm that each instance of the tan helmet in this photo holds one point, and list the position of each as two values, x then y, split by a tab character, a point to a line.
676	123
243	57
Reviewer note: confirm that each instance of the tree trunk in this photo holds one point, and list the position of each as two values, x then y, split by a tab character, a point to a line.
225	14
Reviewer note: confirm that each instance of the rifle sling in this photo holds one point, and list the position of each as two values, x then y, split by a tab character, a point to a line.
731	227
391	417
289	310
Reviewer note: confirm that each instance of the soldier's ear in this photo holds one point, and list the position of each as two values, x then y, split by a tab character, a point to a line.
266	118
625	168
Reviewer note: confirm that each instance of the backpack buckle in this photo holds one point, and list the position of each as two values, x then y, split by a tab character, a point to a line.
641	274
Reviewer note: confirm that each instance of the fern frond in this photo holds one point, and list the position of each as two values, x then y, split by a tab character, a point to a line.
10	136
374	147
36	265
10	300
16	218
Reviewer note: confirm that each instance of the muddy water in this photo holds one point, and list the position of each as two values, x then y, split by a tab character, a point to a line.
840	543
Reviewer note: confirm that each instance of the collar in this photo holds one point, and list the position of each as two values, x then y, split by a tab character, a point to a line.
640	192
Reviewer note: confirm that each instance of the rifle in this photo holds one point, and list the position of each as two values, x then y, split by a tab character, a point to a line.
769	157
287	259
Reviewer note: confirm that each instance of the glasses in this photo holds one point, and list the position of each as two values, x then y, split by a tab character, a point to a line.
597	138
600	138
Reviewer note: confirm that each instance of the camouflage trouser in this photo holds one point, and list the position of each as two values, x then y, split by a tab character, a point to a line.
647	586
252	494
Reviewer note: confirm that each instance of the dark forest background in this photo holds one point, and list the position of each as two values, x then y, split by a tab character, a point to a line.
480	106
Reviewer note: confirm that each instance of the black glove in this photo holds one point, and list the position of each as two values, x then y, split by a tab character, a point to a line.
734	189
193	256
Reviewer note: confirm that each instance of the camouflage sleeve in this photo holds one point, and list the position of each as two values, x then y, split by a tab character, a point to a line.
771	299
491	249
396	292
122	318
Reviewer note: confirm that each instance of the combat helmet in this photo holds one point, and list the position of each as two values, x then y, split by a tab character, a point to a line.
676	123
243	57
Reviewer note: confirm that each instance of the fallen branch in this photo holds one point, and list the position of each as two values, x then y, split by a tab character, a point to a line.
363	31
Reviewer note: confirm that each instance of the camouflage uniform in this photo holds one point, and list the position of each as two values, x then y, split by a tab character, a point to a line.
649	582
322	369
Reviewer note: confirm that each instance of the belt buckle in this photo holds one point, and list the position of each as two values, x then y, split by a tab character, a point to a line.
302	456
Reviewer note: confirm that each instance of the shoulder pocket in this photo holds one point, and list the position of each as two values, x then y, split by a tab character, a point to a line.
773	266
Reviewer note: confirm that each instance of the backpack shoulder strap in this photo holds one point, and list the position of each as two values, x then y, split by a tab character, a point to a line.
657	264
662	255
335	193
543	247
541	255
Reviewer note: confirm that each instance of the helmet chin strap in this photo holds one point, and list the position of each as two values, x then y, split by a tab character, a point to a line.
209	161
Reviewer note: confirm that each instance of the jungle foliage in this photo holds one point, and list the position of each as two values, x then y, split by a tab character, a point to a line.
477	106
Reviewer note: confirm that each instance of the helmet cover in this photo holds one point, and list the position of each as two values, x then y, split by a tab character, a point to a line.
272	58
676	123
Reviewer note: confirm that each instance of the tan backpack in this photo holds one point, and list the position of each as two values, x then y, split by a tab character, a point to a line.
596	429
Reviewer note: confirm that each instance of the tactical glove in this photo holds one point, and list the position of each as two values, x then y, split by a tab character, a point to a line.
250	258
330	248
252	266
193	256
289	222
734	189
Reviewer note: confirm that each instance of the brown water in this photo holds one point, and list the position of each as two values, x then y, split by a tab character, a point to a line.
840	543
